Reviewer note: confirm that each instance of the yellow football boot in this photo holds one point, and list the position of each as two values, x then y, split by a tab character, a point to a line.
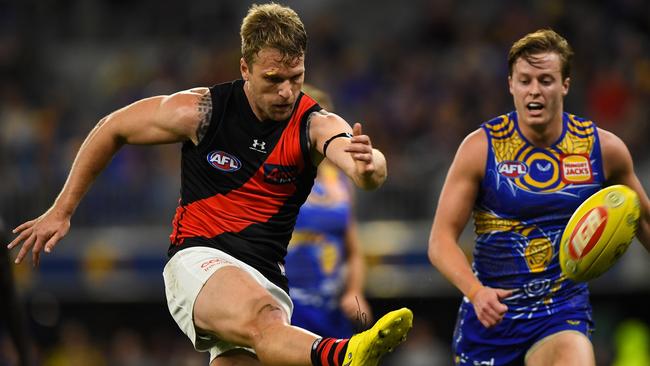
367	348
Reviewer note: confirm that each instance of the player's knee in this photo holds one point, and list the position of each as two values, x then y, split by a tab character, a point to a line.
267	311
267	314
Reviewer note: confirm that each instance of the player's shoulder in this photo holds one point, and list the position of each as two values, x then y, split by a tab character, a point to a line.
186	103
322	125
612	146
609	140
472	153
321	119
614	150
199	91
188	96
475	141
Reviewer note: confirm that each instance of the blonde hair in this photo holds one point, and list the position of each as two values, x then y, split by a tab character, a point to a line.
320	96
274	26
543	40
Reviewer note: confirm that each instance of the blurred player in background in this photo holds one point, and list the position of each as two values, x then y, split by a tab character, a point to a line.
514	174
249	157
11	307
325	264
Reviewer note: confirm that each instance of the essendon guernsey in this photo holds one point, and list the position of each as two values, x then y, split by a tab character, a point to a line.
243	185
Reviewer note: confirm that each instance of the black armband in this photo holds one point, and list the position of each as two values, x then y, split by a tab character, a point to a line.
342	134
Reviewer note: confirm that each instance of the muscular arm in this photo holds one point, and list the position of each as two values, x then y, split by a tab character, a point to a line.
157	120
619	169
454	209
355	156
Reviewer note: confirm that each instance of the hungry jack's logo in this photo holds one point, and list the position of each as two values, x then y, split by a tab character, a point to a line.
576	168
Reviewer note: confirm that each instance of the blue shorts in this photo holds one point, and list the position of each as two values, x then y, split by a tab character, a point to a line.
508	342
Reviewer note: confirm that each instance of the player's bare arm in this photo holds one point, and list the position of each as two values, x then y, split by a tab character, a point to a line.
619	169
452	214
157	120
355	156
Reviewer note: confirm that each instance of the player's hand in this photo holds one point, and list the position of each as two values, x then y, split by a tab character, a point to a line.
488	306
360	149
40	234
356	308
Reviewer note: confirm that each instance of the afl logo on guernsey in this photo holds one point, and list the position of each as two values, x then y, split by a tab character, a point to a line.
224	161
512	168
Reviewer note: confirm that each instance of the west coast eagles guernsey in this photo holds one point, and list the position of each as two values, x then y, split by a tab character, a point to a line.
242	186
525	200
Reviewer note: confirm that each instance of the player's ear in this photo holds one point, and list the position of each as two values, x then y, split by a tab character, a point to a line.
245	70
510	83
565	86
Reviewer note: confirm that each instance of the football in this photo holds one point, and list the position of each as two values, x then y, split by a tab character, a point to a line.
599	232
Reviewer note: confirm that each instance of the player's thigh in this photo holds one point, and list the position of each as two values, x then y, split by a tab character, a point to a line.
233	305
236	358
562	348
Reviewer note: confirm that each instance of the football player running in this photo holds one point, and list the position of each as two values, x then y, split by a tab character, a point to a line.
511	175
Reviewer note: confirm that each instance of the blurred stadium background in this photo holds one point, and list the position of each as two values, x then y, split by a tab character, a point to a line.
419	74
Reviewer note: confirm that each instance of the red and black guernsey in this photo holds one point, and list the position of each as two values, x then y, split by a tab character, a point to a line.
242	186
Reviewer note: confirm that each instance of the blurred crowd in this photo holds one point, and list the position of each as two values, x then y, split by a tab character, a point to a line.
419	76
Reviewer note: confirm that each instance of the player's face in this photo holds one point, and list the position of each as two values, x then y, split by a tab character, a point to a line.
272	84
538	90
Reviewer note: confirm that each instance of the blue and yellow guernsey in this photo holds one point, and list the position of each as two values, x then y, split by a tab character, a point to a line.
525	200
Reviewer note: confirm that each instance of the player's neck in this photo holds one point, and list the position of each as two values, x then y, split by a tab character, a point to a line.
249	98
542	134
